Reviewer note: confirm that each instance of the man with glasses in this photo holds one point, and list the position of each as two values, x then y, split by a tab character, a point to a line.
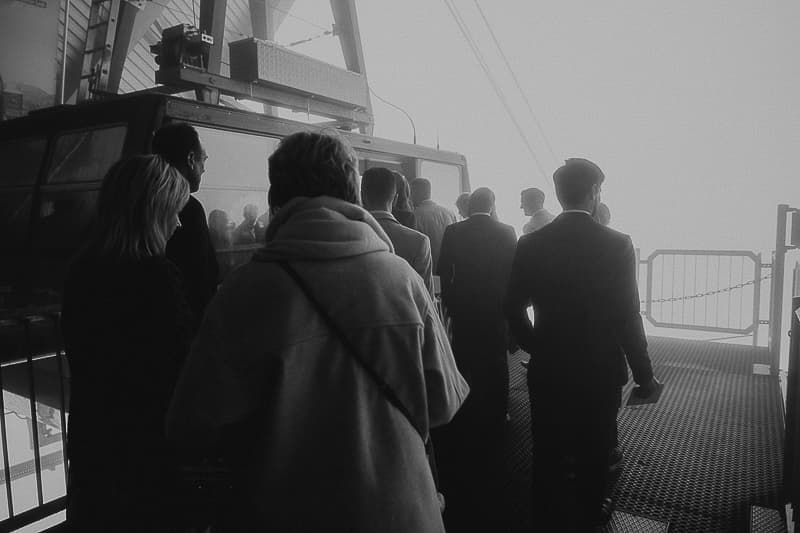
190	247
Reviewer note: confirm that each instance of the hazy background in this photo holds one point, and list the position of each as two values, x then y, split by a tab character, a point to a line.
690	108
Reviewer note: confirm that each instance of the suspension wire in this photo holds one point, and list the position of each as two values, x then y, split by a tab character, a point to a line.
286	12
312	38
174	9
403	111
516	81
487	72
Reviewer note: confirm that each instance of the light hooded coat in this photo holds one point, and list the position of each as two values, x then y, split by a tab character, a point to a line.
326	451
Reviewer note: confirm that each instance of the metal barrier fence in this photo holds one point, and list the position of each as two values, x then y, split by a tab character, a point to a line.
704	290
34	384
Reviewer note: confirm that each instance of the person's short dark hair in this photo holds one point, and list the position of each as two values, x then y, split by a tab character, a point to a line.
574	180
378	186
462	203
532	197
603	214
420	189
481	201
312	164
402	201
174	141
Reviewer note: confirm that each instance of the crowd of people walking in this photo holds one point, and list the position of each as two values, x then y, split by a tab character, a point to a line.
323	381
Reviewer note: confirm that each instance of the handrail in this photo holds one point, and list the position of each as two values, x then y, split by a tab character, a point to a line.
21	330
674	293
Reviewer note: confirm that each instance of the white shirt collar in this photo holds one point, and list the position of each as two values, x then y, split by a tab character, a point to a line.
484	214
577	211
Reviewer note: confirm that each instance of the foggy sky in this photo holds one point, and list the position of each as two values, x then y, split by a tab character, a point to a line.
690	108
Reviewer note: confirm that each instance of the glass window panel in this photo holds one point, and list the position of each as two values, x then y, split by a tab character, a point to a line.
15	213
235	159
22	160
64	218
49	426
19	425
445	181
237	220
86	155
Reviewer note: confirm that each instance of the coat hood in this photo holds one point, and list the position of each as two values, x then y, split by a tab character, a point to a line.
322	228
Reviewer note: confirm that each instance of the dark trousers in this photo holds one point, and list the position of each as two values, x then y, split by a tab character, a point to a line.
472	475
573	433
469	450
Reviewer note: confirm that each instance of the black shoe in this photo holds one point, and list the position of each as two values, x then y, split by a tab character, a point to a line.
615	458
606	510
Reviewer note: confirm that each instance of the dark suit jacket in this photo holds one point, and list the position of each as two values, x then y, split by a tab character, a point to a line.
411	245
474	265
580	278
191	250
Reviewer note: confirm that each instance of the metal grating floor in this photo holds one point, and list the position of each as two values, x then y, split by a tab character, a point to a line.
698	459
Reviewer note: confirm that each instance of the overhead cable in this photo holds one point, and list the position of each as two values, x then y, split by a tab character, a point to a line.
516	81
403	111
497	89
286	11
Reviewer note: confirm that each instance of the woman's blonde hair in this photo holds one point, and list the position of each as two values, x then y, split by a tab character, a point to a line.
139	198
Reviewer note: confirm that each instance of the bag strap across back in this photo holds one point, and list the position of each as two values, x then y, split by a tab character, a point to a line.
384	387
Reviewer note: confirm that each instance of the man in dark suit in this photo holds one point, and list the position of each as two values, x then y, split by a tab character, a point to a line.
190	247
580	278
474	267
378	191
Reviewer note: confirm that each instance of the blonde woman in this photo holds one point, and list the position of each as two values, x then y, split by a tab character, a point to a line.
126	327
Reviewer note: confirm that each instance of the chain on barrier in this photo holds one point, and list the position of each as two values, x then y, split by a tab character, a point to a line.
707	293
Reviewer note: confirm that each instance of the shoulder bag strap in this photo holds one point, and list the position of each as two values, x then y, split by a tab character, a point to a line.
348	344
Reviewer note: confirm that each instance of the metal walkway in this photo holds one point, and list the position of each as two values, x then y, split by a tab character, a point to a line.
711	447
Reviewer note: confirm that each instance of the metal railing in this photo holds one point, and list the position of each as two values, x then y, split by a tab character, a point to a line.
33	440
704	290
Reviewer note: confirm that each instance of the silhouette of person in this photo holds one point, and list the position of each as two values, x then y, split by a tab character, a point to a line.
580	278
474	268
603	214
402	209
432	218
246	232
190	248
378	190
127	328
219	229
532	203
462	204
316	421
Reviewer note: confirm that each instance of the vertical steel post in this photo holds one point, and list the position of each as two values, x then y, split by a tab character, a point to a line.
6	465
756	299
37	459
64	52
648	300
60	354
791	457
776	305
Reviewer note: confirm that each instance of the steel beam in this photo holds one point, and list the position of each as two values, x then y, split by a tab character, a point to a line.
212	22
133	22
346	20
267	16
188	78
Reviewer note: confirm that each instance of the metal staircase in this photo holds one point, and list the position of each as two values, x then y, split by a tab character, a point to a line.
100	34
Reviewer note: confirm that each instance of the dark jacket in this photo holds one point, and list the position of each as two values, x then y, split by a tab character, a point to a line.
126	328
191	250
474	267
406	218
580	278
